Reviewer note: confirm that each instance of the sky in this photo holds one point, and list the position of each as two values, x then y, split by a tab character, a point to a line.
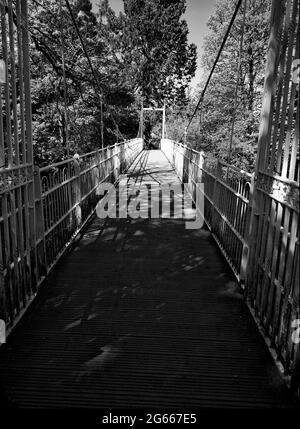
197	14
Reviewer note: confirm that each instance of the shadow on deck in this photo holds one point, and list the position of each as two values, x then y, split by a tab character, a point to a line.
140	313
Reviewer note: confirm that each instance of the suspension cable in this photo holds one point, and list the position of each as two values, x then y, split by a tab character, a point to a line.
214	65
95	76
118	133
90	65
82	44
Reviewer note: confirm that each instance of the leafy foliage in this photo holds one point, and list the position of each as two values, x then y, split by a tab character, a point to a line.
211	128
133	57
155	42
53	34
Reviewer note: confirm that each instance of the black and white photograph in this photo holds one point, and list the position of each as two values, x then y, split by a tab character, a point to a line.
149	212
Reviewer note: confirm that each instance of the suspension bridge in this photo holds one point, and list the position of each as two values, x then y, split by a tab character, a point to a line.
145	312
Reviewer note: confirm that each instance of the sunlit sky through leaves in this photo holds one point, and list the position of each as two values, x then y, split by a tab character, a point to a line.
197	14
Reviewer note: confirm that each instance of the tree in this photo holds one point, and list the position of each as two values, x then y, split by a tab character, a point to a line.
211	127
219	102
154	63
52	32
156	50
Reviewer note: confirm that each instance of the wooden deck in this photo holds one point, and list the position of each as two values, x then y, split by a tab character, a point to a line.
140	313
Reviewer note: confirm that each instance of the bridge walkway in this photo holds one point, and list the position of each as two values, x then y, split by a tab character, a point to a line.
140	313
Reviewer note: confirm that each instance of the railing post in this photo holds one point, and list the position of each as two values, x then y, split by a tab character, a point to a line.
39	226
249	239
77	187
119	160
121	157
201	164
216	194
115	162
97	172
32	238
164	122
185	135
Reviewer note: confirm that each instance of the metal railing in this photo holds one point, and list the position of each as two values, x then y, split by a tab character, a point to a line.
68	191
17	256
34	238
229	212
226	199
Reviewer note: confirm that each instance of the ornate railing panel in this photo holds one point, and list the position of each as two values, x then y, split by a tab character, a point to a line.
35	235
16	270
68	192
